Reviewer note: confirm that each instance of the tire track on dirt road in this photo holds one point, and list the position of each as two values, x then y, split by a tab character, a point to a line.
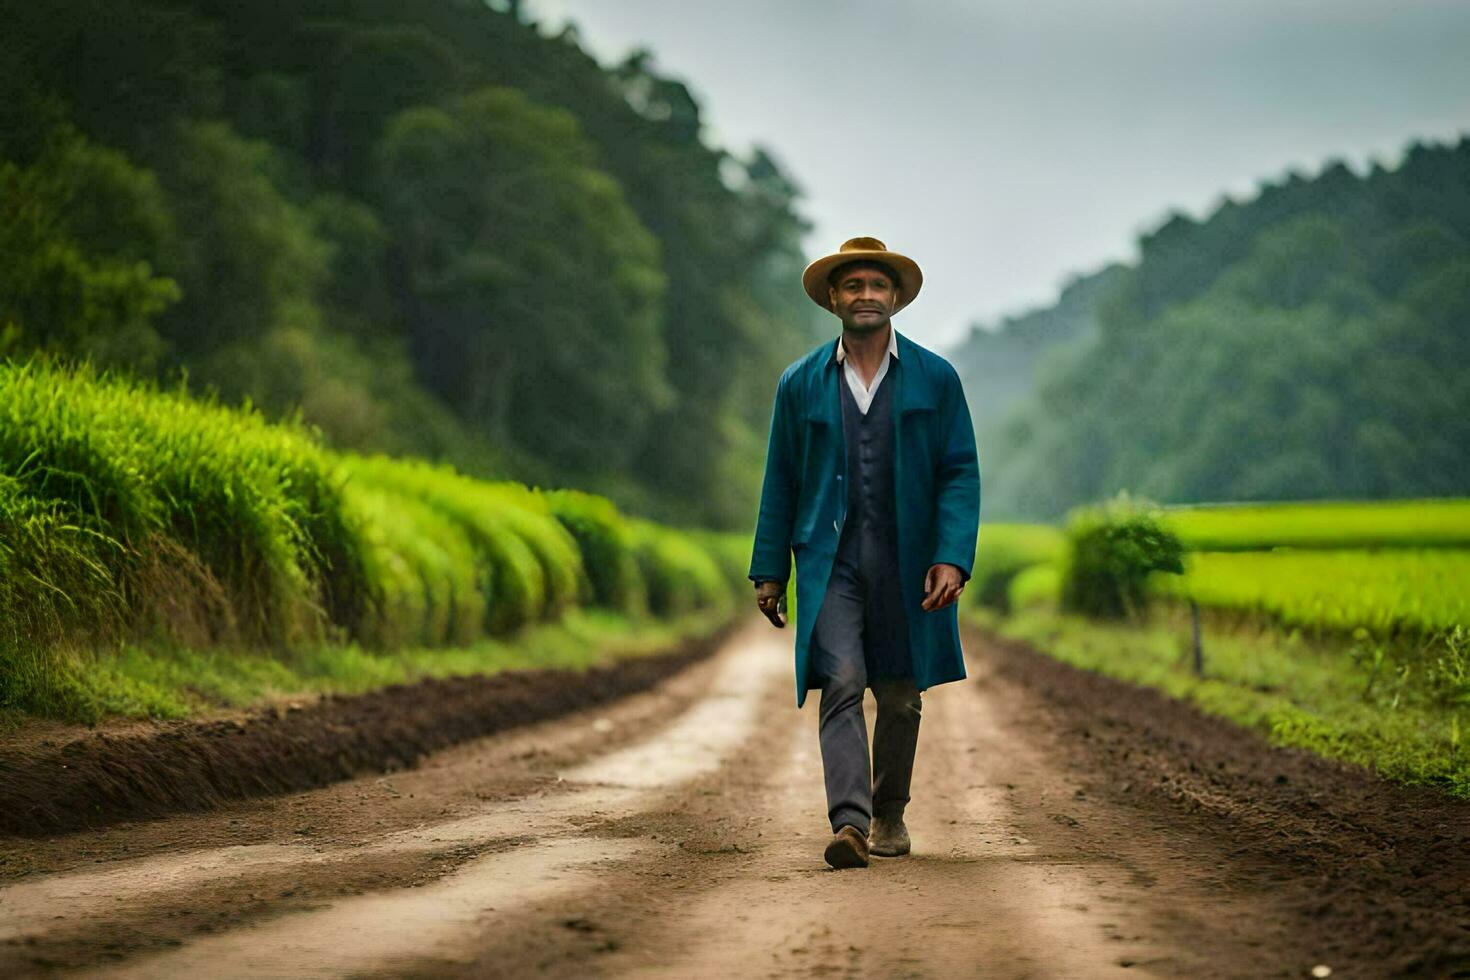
1004	880
709	726
692	847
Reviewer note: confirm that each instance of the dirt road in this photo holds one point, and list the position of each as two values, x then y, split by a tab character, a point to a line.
679	832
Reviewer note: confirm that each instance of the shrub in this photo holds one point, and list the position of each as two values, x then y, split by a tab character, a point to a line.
527	513
731	551
426	586
1112	548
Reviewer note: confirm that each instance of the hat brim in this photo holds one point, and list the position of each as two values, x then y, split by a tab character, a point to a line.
814	279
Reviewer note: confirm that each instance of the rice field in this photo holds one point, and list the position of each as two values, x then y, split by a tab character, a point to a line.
1339	628
1433	523
1387	592
134	518
1388	568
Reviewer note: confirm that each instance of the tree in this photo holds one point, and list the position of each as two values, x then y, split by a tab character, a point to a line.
80	231
248	258
534	291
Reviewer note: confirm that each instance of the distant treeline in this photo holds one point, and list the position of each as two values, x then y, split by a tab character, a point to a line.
1310	343
427	225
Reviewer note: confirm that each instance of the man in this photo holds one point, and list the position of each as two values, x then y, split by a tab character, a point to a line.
872	483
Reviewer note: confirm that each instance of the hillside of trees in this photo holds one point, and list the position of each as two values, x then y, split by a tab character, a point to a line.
1000	365
429	228
1308	343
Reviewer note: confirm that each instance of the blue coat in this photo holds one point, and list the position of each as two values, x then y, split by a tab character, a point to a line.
936	482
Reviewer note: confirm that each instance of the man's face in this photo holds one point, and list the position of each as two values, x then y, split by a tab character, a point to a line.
863	297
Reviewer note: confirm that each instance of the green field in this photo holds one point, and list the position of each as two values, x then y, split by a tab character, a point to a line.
161	553
1378	524
1387	592
1394	568
1340	628
1003	551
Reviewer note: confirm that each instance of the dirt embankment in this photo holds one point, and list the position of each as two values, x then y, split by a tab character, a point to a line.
1376	873
51	785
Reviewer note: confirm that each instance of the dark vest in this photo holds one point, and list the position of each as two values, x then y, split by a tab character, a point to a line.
870	536
870	494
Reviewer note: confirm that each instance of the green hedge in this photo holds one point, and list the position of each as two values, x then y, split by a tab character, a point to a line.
427	588
1039	585
519	591
731	551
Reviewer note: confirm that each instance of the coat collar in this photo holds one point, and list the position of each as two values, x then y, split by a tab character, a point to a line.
839	353
914	392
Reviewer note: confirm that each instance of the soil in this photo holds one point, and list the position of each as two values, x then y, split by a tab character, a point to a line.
1063	824
57	778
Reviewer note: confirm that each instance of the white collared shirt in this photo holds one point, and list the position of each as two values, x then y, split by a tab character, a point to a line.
864	396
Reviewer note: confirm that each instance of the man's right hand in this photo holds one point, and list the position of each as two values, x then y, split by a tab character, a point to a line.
771	598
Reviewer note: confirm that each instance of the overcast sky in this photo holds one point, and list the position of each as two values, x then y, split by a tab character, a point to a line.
1005	145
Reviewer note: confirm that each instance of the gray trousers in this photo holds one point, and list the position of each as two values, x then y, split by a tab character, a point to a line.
860	640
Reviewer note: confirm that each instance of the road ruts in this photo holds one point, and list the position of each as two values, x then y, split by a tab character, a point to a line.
677	834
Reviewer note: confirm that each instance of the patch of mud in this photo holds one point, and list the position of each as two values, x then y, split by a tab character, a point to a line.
1377	873
104	778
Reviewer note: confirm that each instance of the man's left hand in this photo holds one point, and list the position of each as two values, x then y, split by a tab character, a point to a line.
942	586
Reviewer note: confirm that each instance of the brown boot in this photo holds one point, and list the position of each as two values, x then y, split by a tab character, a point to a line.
888	837
848	849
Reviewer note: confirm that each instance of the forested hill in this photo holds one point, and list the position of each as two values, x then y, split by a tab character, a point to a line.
434	229
1308	343
999	366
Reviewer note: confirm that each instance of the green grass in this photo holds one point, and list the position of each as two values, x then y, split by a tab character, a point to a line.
612	578
1431	523
160	554
1386	592
1003	551
1036	584
680	573
181	682
235	503
530	558
427	588
1328	695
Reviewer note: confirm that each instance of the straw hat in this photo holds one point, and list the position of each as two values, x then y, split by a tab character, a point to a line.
814	279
